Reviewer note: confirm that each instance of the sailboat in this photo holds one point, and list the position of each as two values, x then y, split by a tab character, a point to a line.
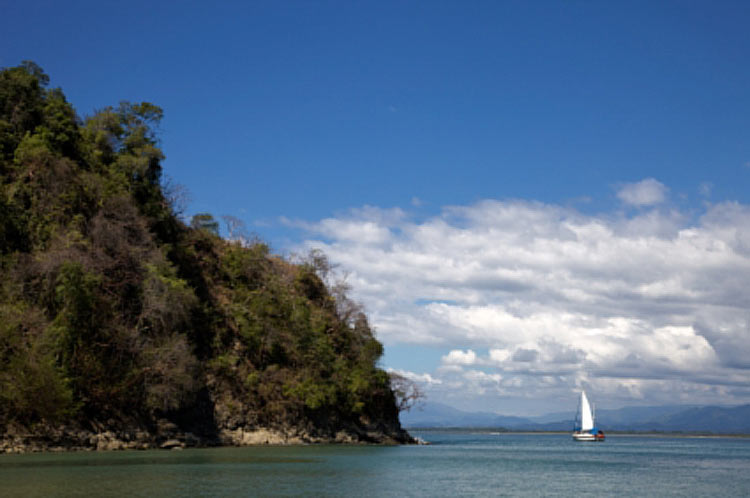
586	430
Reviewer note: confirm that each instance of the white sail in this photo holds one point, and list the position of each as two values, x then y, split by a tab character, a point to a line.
587	420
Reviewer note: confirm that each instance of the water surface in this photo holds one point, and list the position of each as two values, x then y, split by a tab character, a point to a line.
456	464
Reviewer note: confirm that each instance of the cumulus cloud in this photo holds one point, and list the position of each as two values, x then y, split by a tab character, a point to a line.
526	297
647	192
458	357
423	378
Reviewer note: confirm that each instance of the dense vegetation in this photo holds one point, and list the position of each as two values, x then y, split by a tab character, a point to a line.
111	309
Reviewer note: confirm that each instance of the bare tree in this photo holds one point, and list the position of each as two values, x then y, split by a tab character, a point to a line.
408	394
238	231
348	310
177	196
320	263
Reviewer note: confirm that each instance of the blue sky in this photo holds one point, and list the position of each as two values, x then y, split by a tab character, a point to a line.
607	143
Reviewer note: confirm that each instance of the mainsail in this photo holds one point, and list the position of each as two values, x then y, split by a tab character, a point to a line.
587	420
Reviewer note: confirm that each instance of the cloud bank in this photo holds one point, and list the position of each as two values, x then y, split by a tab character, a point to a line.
532	300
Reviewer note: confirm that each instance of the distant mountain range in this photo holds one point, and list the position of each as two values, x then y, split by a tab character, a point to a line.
673	418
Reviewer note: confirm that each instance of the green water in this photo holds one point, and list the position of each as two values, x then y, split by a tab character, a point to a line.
456	464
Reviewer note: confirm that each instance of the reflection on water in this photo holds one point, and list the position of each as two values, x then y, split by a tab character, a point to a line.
216	456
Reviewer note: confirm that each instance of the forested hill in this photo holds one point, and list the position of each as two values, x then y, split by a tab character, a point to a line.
120	326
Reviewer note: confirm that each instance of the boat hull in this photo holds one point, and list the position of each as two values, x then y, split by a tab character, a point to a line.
587	436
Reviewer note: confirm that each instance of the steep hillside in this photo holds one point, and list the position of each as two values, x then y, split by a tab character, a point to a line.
122	327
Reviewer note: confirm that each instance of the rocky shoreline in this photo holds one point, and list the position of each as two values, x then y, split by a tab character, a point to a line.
16	440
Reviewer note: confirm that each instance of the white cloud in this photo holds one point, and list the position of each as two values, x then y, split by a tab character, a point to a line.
647	192
543	298
424	378
458	357
483	379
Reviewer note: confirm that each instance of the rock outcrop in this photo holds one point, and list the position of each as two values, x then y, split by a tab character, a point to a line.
169	437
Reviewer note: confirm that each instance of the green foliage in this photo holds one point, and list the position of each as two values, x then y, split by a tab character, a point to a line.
169	373
167	301
33	150
127	130
21	104
122	143
111	307
32	386
314	395
205	221
76	298
59	127
101	137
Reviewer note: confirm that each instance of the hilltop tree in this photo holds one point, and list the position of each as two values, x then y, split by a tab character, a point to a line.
205	221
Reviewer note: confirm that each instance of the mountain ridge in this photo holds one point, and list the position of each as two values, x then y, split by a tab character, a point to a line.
666	418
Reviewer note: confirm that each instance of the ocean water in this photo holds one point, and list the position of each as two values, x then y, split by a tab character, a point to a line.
455	464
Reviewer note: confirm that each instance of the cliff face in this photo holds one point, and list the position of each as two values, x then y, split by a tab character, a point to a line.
122	327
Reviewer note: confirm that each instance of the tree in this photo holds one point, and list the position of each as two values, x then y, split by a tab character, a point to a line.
205	221
59	127
176	195
238	231
36	71
21	104
407	392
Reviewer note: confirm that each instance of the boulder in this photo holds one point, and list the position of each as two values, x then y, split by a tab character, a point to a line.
172	444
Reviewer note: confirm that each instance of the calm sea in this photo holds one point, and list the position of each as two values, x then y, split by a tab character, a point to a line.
456	464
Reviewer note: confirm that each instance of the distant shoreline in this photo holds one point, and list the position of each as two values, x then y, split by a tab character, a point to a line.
500	430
